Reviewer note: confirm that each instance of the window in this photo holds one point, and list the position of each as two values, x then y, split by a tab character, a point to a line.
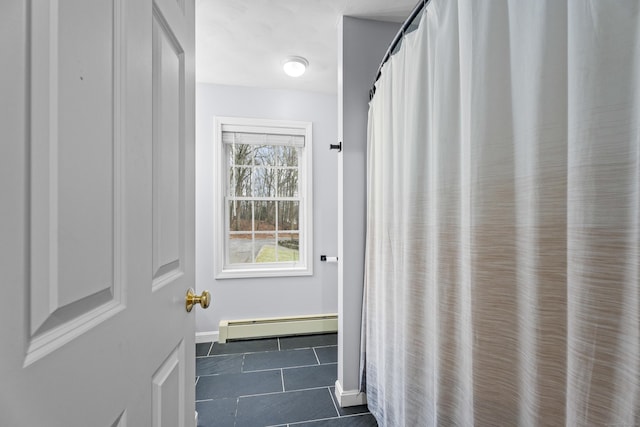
263	198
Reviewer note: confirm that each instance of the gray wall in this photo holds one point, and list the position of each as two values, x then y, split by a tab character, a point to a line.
361	46
267	297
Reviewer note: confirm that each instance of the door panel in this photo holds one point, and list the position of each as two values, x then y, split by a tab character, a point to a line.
168	150
121	421
168	390
83	124
97	230
76	240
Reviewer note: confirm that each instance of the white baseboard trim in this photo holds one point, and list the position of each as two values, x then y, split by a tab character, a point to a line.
211	336
349	397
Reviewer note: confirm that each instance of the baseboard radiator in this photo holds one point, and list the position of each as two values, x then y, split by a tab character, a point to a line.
277	326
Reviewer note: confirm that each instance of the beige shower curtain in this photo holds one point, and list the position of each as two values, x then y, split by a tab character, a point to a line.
502	284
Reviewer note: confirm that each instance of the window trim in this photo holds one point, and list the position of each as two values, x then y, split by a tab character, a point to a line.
305	264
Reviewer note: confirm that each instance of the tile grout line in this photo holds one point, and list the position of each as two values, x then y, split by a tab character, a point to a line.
239	352
283	367
282	392
328	419
219	356
282	378
268	370
279	349
225	352
333	400
235	416
316	354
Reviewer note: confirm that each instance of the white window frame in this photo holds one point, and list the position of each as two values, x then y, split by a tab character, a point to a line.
304	267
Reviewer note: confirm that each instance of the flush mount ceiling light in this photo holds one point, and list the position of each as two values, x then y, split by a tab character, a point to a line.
295	66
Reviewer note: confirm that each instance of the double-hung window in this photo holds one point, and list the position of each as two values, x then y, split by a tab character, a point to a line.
264	198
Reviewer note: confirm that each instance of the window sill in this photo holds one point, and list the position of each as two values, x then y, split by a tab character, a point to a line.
246	273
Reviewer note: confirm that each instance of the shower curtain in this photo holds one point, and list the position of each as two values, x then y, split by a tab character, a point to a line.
502	269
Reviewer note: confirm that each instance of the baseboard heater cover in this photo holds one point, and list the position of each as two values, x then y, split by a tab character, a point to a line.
277	326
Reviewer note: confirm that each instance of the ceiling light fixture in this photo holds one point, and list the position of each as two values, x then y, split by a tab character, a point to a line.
295	66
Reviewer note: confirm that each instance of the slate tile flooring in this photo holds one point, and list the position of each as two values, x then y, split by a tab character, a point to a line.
282	382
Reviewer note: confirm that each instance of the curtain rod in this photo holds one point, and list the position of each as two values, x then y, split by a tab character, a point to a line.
397	39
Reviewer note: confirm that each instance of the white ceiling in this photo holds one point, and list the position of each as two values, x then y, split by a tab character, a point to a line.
243	42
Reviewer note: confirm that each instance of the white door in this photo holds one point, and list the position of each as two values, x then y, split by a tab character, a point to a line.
96	212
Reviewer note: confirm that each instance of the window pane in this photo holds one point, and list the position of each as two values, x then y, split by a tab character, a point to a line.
288	247
265	216
265	245
240	216
288	183
264	182
240	181
241	154
240	248
287	156
265	155
288	216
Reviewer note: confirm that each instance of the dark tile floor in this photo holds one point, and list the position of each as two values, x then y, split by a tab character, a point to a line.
285	381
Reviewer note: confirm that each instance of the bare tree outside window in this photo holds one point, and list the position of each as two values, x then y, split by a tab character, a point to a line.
264	203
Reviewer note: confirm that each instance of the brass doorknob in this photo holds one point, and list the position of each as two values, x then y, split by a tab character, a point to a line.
192	299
